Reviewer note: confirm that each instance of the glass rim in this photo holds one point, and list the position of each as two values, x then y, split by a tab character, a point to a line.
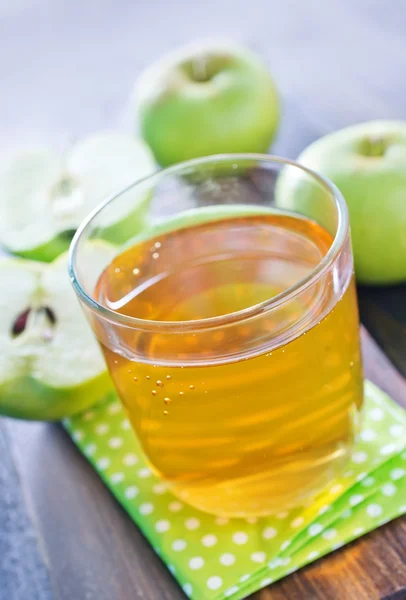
171	326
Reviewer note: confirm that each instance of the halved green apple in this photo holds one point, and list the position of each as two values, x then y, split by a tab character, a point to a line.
44	196
50	363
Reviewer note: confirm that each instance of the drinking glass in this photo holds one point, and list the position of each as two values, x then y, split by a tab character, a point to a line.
224	301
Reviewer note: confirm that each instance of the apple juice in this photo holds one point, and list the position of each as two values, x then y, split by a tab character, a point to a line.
241	413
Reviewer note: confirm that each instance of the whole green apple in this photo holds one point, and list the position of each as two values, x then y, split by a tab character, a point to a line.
50	363
44	195
367	162
206	98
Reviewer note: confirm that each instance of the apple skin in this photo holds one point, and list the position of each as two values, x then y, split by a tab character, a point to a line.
27	398
367	162
206	98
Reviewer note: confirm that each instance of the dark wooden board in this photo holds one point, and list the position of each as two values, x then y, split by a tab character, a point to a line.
95	552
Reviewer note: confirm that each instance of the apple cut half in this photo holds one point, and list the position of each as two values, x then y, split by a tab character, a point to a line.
44	195
50	363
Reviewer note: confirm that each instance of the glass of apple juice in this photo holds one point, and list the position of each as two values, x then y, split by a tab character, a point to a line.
230	328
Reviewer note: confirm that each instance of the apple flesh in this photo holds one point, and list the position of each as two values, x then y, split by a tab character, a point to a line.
206	98
50	363
367	162
44	196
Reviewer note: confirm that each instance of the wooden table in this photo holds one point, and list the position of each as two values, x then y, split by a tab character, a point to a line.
67	68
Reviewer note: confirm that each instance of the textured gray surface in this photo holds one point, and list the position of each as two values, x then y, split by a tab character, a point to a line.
23	574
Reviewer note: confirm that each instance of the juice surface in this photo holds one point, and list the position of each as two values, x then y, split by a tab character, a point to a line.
236	421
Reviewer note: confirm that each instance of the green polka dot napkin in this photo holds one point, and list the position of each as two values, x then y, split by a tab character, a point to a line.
215	558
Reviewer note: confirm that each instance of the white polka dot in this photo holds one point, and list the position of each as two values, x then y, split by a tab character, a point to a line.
187	588
356	499
196	563
227	559
329	534
131	492
397	430
285	545
258	557
358	531
192	524
297	522
222	521
396	474
114	408
130	459
402	509
175	506
313	555
144	473
376	414
347	513
336	489
179	545
90	449
292	570
77	435
244	578
146	508
337	545
214	583
102	428
269	533
389	489
266	581
360	476
374	510
115	442
359	457
315	529
275	563
368	481
103	463
367	435
162	526
240	538
117	478
387	449
281	515
159	489
209	540
348	474
172	569
252	520
231	591
324	509
125	424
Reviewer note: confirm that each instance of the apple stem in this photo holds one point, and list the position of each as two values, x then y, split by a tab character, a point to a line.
375	146
199	68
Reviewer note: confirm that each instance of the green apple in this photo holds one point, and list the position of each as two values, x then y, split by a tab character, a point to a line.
206	98
367	162
44	195
50	363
